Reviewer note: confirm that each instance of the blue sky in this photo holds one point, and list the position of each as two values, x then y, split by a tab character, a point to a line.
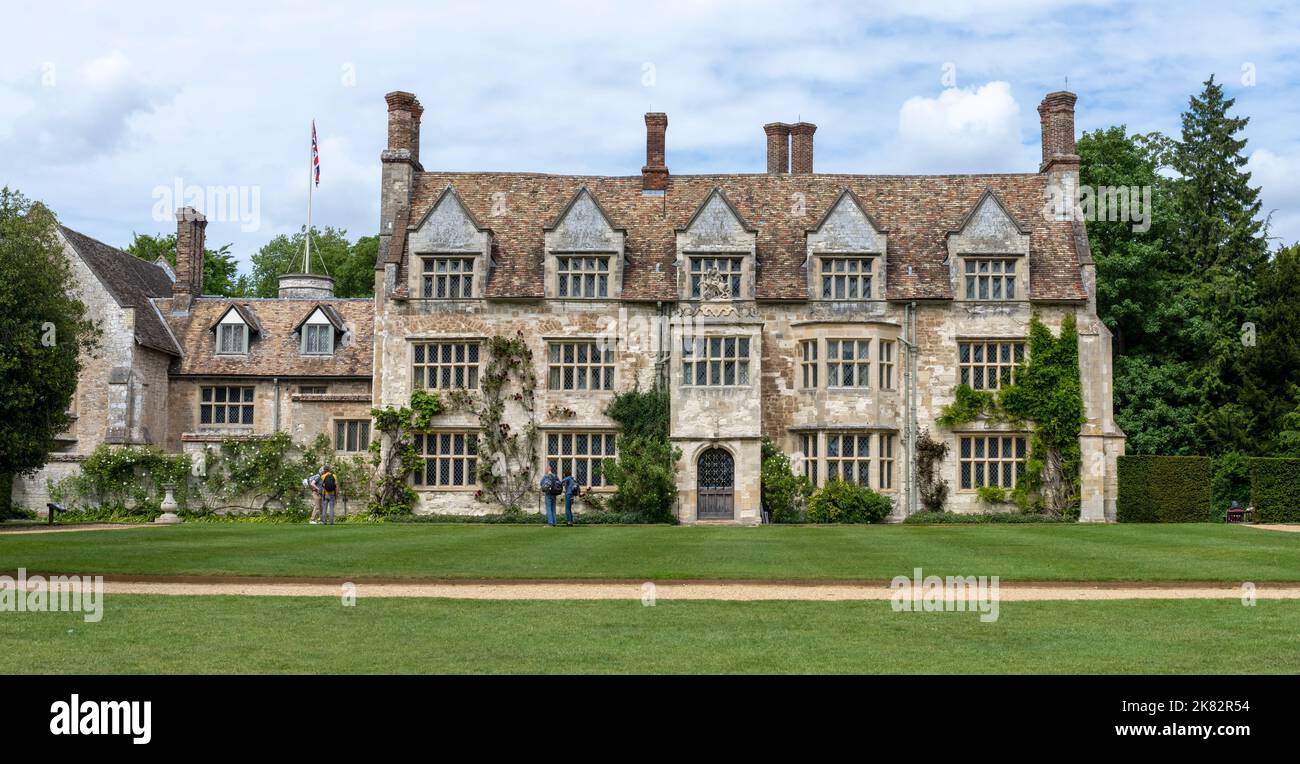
101	108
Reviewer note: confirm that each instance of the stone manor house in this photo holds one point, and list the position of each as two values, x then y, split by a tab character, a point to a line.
834	314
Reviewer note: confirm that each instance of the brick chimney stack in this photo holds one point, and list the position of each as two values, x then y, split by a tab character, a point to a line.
1056	114
404	112
801	147
778	147
654	176
190	225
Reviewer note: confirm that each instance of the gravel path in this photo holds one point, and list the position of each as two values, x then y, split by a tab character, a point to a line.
19	530
689	591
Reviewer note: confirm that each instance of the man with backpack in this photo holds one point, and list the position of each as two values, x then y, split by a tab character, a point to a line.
570	488
329	492
551	487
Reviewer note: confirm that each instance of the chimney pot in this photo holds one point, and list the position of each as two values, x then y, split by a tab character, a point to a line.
778	147
1056	115
404	112
654	175
801	148
190	225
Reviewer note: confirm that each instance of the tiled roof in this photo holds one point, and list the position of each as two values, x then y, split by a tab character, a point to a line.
918	211
131	282
276	351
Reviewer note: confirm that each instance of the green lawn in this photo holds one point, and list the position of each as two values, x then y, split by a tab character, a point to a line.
171	635
1191	552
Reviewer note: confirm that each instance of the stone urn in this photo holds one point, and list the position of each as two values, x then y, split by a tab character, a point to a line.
169	516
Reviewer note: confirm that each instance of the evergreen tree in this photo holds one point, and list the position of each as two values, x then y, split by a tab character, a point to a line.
44	330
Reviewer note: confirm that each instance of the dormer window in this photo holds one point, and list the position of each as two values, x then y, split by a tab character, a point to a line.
716	252
584	252
846	254
318	331
586	277
990	278
448	277
232	338
727	271
847	278
989	253
450	253
318	339
233	331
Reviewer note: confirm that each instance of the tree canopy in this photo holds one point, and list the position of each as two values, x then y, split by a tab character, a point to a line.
43	331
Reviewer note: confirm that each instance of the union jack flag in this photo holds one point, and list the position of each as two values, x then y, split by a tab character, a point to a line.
315	153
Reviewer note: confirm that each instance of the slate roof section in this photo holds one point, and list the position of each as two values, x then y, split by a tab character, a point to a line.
918	211
132	282
277	350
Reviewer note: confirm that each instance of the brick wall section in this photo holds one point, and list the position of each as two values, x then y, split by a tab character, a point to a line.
778	147
1056	115
190	230
801	147
654	175
404	113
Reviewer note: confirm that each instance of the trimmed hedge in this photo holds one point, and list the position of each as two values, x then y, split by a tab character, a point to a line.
1275	490
982	518
1164	489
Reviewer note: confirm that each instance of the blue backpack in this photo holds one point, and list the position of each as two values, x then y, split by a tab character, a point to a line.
551	485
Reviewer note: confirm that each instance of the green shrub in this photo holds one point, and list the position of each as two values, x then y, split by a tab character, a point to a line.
841	502
991	494
645	473
961	518
1164	489
784	493
1275	490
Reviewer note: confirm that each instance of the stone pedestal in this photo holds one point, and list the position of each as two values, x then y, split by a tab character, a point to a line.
169	516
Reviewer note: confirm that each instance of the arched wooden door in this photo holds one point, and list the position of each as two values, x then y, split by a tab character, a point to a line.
716	487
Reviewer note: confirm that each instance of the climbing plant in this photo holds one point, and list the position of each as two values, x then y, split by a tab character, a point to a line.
393	452
933	489
507	453
646	470
1048	393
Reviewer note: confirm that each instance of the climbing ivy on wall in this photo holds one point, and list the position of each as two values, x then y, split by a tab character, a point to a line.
397	428
507	452
1048	393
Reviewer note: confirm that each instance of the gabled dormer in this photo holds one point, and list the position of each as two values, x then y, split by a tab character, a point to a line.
450	253
234	330
846	253
320	330
584	252
716	250
988	254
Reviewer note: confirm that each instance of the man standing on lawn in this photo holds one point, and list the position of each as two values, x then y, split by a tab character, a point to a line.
329	492
551	487
313	483
570	487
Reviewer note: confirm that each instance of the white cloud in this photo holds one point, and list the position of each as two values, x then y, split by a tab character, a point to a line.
963	130
1278	177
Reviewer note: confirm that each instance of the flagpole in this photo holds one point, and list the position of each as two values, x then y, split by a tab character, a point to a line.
311	172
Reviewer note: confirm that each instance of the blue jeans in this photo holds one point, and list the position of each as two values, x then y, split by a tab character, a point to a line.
550	509
568	508
327	509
